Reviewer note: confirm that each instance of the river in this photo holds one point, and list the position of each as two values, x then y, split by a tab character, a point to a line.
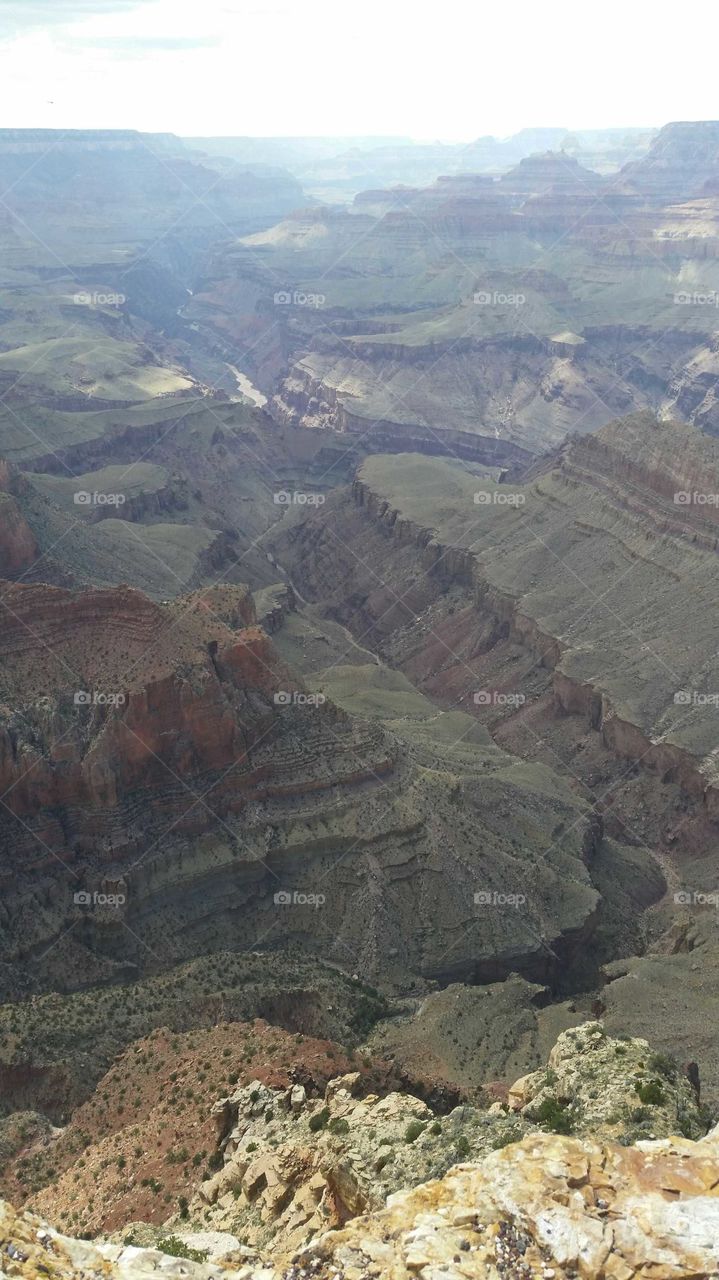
248	389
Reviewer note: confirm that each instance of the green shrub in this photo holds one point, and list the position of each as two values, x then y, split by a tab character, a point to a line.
514	1134
664	1065
178	1249
638	1115
413	1130
553	1115
650	1092
319	1119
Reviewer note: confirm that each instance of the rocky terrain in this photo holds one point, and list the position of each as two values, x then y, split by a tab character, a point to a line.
135	186
554	1182
292	1167
358	697
547	617
483	317
164	774
586	563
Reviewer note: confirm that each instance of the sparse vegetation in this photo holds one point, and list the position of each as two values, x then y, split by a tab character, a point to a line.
650	1092
319	1120
554	1116
177	1248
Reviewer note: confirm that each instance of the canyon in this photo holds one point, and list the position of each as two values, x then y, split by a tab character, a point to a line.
485	316
531	562
191	781
358	703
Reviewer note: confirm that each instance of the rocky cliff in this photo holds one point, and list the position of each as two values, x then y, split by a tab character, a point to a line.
566	1200
683	161
442	317
549	1208
294	1166
18	548
165	779
546	566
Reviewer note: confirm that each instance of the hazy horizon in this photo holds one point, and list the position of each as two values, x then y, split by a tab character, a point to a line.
330	134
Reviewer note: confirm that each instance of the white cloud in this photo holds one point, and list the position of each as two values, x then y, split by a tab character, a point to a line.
453	71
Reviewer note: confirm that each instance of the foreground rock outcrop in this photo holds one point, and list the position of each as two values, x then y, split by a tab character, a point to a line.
330	1178
295	1165
547	1208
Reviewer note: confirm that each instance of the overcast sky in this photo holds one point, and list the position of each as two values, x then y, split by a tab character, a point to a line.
452	70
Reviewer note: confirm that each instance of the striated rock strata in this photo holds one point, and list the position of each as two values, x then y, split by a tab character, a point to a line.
589	567
169	787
